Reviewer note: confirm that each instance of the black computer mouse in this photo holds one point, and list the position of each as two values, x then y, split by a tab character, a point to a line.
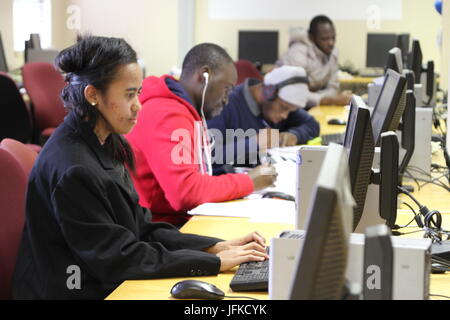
279	195
196	289
337	121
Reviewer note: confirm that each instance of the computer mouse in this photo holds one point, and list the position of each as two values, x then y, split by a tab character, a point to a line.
337	121
196	289
279	195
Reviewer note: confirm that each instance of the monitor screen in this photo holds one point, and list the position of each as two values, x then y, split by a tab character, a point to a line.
403	45
416	60
319	272
378	45
259	47
35	41
38	55
3	64
389	177
360	147
408	130
390	105
394	61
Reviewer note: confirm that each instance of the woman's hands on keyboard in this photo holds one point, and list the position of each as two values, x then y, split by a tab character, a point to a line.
244	249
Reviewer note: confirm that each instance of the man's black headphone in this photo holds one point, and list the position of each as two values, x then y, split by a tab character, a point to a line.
270	91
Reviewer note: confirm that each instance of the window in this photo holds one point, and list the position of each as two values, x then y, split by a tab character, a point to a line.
32	16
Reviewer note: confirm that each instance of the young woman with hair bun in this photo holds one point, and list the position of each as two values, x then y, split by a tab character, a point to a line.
85	232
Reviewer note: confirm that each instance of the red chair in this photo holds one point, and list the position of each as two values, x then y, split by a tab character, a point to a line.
15	120
246	69
44	85
24	155
13	183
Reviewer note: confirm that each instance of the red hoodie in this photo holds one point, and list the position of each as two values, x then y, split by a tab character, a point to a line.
169	164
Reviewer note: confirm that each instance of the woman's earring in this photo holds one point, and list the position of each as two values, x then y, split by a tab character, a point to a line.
93	104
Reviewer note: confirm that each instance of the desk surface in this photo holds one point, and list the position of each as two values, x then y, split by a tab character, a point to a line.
325	113
225	228
432	196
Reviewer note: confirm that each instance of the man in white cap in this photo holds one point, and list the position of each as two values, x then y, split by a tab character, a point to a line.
276	103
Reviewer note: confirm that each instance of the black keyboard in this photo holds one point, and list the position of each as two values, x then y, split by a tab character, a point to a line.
254	276
251	276
334	137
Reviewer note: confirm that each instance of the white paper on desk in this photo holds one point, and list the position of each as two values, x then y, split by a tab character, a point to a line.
286	179
249	208
281	211
284	153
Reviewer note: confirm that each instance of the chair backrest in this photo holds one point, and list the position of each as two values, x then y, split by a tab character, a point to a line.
15	120
246	69
13	184
44	84
24	155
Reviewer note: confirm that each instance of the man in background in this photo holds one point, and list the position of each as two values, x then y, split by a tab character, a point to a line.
315	51
257	106
170	141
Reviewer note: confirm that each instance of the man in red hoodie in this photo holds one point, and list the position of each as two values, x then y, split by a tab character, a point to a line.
171	143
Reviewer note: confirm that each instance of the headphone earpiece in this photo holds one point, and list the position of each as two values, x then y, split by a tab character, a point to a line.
270	91
206	75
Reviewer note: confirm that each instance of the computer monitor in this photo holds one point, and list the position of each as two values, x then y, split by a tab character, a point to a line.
416	60
394	60
378	45
408	130
319	272
430	83
39	55
389	177
259	47
403	45
35	40
410	79
3	64
389	106
360	147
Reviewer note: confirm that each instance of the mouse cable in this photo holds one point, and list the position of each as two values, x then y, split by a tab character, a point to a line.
240	297
397	227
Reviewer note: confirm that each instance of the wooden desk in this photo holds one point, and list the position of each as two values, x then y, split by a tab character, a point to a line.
325	113
225	228
228	228
358	85
432	196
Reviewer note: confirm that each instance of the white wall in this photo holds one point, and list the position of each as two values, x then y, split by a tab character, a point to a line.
419	18
6	23
162	30
60	37
445	80
150	26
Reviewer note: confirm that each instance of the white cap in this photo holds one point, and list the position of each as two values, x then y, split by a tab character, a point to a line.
296	93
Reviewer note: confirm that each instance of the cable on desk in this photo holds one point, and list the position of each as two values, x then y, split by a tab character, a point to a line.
240	297
416	179
416	218
432	220
398	233
406	192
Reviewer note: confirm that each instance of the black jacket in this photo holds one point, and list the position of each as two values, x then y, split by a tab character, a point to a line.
83	218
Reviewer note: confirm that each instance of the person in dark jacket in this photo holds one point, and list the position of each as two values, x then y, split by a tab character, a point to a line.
85	232
254	109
